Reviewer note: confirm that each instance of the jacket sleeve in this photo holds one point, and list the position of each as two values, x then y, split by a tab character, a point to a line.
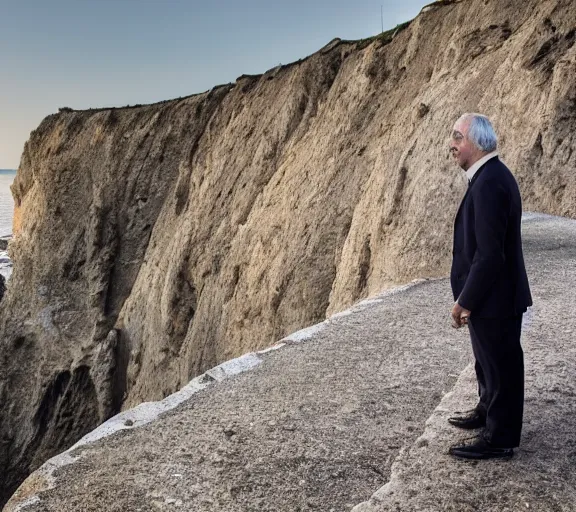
491	213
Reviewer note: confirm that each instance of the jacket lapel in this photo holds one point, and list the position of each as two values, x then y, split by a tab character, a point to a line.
470	185
462	203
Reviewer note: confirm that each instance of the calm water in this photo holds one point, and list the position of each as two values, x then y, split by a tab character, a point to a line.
6	213
6	202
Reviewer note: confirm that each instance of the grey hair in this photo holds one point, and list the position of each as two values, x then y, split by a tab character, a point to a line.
481	132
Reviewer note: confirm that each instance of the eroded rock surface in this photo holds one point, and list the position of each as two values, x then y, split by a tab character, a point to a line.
154	242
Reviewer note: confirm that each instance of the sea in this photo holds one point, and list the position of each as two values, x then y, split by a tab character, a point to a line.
6	201
6	214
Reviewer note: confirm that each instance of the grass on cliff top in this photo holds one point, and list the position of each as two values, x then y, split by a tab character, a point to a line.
384	37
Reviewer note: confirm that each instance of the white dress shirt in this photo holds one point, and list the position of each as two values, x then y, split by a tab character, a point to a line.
474	168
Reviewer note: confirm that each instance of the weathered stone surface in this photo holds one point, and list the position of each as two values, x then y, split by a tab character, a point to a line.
154	242
322	423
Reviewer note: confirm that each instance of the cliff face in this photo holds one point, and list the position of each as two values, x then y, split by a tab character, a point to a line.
154	242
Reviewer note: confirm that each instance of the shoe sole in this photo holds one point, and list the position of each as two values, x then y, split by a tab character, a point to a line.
470	456
465	427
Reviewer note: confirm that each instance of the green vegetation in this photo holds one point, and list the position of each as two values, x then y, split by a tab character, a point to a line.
438	3
385	37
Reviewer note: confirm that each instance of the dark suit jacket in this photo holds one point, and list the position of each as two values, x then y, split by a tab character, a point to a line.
488	275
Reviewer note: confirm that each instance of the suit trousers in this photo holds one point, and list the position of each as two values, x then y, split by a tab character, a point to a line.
500	374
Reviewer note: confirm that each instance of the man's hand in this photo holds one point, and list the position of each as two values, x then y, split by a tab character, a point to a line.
459	316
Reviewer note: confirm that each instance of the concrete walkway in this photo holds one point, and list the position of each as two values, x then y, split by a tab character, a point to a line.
350	407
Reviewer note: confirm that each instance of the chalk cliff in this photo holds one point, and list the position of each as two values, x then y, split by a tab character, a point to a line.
153	242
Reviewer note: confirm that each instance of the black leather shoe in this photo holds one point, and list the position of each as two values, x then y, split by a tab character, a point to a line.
468	420
480	449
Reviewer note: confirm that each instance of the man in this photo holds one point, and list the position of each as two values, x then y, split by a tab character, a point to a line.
490	286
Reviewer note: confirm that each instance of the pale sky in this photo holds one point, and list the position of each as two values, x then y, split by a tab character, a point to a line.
96	53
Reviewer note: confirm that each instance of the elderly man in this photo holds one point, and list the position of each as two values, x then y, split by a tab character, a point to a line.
490	287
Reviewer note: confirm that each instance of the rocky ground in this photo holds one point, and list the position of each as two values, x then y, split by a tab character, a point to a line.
360	405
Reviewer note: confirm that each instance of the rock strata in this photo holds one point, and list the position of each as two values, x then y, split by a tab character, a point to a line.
153	242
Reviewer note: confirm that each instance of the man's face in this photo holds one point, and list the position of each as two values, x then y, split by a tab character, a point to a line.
461	148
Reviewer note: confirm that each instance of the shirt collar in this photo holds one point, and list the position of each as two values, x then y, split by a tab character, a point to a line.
474	168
